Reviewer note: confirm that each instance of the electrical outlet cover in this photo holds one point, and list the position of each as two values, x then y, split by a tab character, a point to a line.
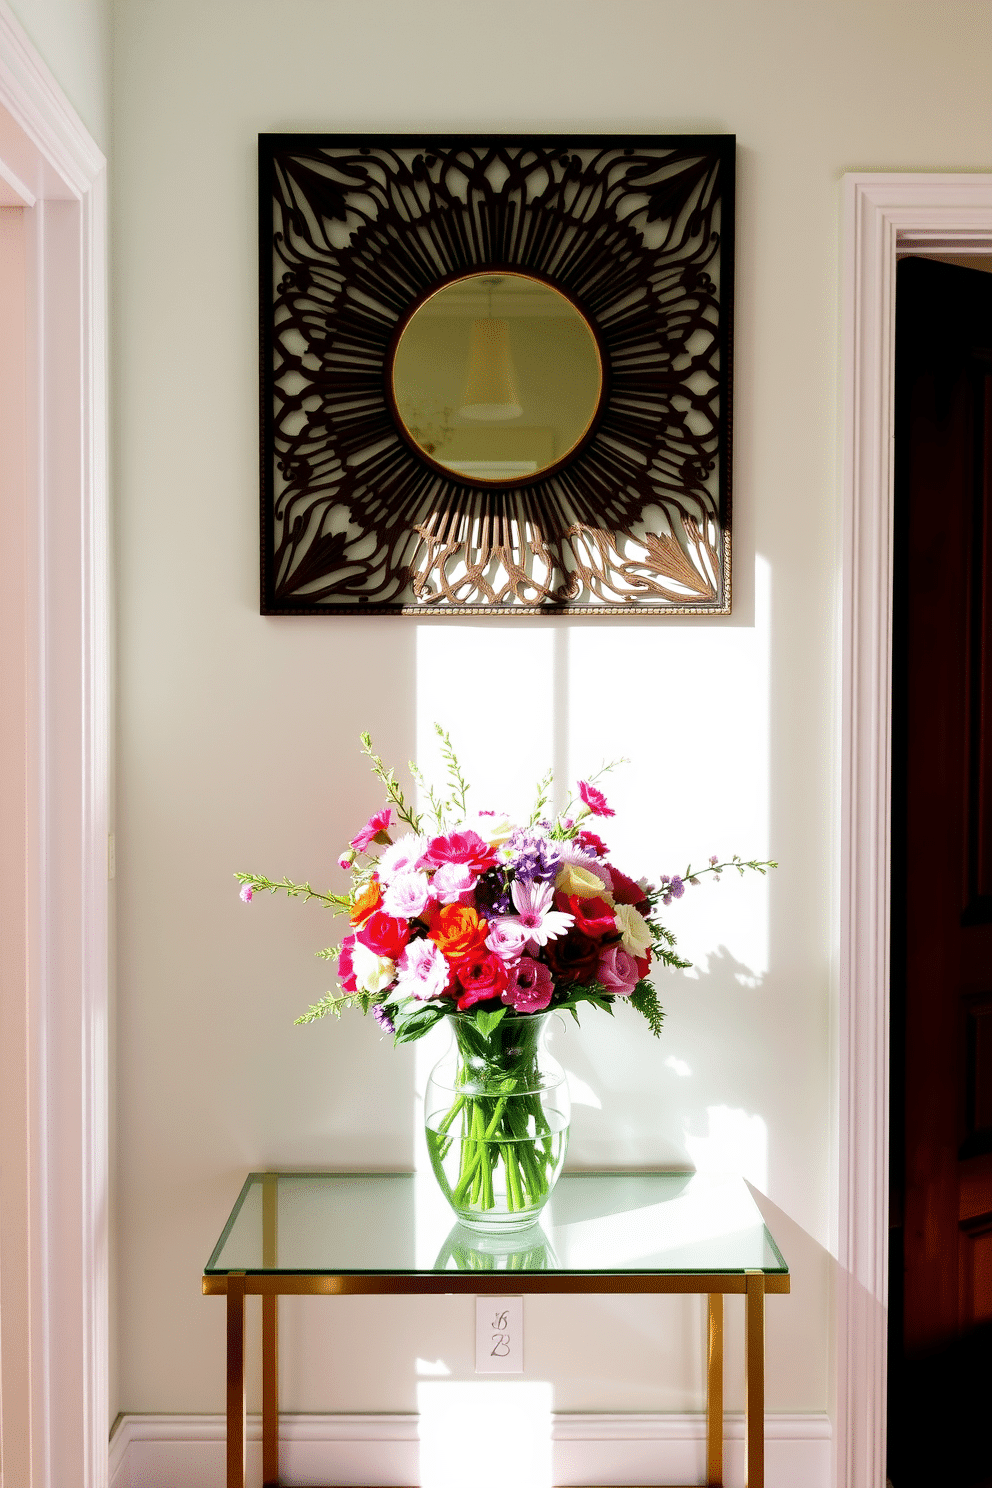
499	1335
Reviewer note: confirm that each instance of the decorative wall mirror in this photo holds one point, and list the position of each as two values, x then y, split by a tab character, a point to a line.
496	374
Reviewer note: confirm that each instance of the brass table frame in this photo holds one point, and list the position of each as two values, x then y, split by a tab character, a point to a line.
237	1285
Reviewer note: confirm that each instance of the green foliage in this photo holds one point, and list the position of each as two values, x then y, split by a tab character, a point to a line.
393	792
458	800
412	1019
434	801
543	796
645	1000
339	903
336	1005
485	1021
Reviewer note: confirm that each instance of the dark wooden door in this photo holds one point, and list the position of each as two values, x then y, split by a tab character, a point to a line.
941	1275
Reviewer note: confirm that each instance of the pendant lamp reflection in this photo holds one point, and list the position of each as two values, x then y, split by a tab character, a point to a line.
490	394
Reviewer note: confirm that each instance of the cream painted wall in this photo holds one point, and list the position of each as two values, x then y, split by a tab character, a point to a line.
73	36
238	733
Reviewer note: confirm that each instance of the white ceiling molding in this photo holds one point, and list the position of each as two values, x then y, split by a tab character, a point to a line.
886	216
54	664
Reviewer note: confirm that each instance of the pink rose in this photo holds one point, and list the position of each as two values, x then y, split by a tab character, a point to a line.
595	799
617	971
375	827
507	938
530	986
453	883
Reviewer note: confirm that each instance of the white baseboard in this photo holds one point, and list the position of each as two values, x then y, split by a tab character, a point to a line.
188	1451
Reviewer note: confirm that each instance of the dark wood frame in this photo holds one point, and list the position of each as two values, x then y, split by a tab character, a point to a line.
638	231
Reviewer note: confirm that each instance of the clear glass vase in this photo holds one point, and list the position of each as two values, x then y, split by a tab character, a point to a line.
496	1112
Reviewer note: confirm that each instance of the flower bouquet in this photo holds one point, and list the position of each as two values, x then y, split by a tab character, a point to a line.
494	924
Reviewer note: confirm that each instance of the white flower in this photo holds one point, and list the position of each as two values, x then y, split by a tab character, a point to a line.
423	970
635	932
535	915
402	857
407	895
372	973
493	827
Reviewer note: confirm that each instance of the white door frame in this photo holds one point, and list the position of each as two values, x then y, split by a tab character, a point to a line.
885	216
54	583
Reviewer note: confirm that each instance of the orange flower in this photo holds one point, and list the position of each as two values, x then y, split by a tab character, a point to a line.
458	931
367	902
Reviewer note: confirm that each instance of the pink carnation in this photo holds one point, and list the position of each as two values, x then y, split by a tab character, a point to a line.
595	799
246	893
423	971
407	896
378	822
453	883
460	847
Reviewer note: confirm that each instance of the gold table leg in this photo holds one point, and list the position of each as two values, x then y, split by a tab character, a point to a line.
754	1398
236	1423
270	1336
714	1394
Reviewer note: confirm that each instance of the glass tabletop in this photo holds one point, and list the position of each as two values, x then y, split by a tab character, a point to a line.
376	1224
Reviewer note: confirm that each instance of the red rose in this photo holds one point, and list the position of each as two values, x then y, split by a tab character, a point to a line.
626	891
593	917
384	934
642	963
460	847
482	977
573	957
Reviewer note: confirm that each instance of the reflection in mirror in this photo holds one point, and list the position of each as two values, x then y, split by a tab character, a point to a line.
497	377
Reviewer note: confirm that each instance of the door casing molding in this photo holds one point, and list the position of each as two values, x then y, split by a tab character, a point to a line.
885	217
54	659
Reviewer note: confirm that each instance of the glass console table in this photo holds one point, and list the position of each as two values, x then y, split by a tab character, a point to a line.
338	1234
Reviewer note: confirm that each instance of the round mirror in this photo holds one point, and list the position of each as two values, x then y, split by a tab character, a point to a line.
497	377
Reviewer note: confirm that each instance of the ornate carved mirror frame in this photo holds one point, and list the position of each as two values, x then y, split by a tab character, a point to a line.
356	233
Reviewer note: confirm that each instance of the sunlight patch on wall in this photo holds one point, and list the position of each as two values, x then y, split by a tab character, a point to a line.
485	1434
735	1142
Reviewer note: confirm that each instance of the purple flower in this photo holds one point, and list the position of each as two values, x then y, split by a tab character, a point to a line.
533	857
492	894
676	888
383	1019
246	892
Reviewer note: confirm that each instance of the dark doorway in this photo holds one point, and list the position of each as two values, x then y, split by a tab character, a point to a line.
940	1286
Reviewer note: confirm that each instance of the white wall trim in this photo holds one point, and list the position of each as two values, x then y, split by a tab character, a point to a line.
161	1451
885	216
59	979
